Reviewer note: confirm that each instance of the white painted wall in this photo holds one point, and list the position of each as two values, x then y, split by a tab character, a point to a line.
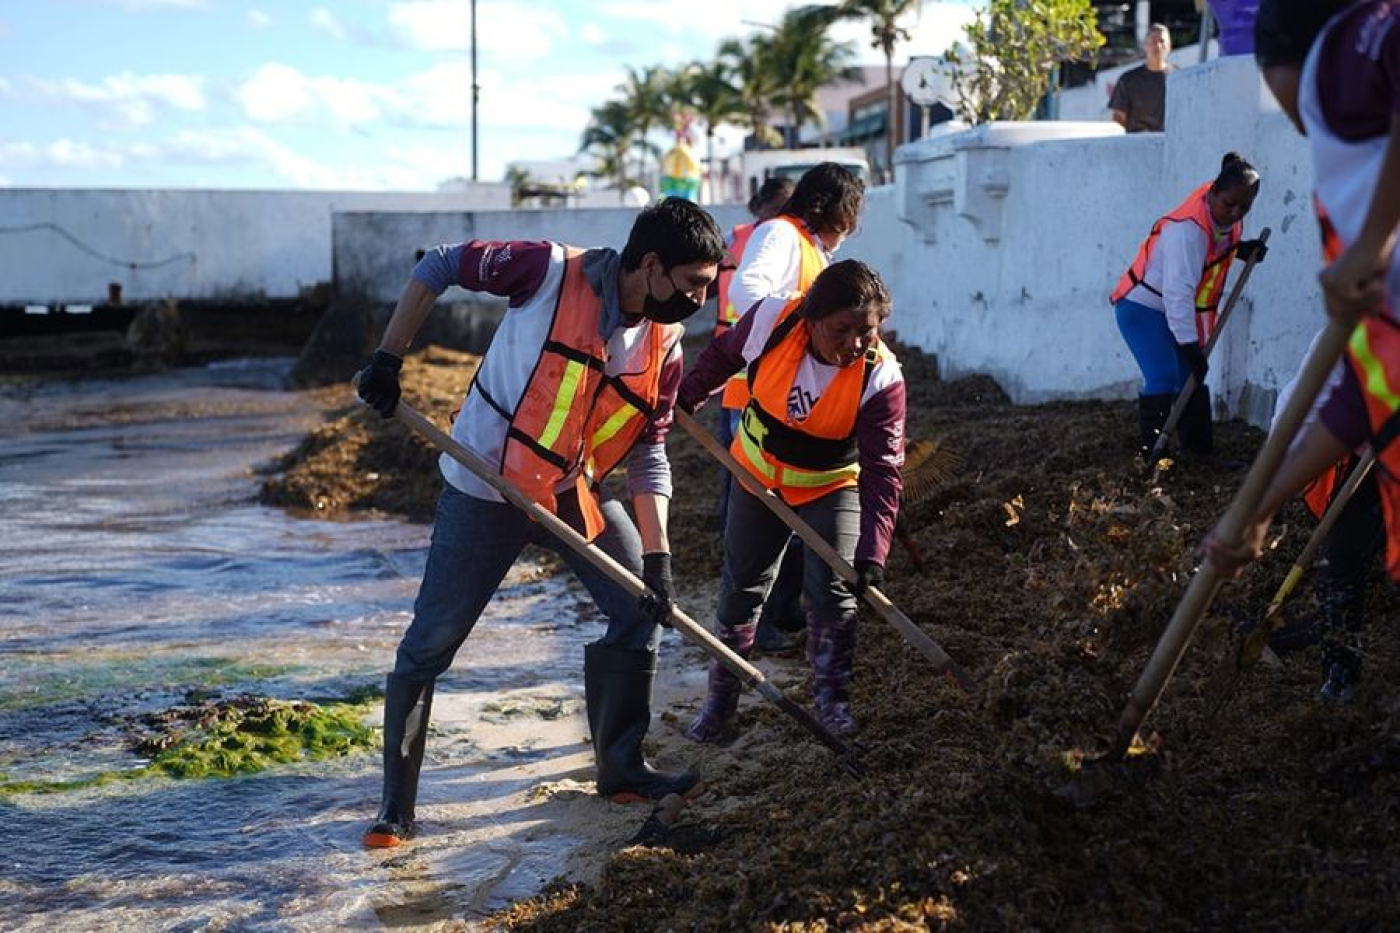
374	251
1013	235
64	246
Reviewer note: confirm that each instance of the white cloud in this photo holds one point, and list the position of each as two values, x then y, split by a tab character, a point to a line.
134	100
61	153
258	19
933	28
324	20
278	93
252	148
593	34
506	29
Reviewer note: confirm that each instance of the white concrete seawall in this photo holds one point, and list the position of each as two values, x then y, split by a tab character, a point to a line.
1000	244
65	246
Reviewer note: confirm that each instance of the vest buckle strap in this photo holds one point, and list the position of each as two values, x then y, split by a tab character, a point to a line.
795	447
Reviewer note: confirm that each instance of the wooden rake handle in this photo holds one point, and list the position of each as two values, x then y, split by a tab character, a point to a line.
749	675
1207	580
1182	397
819	546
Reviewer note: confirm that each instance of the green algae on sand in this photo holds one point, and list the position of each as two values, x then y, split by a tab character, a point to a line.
223	738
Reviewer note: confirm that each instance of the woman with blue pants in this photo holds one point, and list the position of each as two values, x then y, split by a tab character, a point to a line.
1166	302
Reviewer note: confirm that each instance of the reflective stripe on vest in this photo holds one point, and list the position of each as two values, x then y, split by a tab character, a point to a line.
570	414
830	425
626	403
811	263
1374	355
1220	250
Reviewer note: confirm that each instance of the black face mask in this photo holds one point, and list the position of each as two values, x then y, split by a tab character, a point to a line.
672	310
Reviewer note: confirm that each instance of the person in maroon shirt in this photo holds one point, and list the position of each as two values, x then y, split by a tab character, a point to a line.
1349	108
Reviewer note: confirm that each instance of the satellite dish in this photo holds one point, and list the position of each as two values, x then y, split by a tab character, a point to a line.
924	81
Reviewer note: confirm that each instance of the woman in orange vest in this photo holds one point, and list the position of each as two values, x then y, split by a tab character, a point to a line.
580	377
781	259
767	203
1166	301
1331	65
824	428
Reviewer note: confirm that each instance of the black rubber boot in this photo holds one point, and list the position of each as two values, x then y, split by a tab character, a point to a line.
617	685
1195	430
407	705
1153	411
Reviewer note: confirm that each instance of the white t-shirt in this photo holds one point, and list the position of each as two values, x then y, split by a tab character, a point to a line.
770	267
1174	269
813	376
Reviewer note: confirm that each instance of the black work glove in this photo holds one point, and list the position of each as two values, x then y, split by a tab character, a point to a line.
379	382
1245	250
868	574
656	574
1193	359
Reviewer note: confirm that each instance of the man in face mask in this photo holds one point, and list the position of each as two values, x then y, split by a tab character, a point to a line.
581	376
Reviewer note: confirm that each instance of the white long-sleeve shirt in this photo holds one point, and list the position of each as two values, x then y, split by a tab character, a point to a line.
1174	270
771	266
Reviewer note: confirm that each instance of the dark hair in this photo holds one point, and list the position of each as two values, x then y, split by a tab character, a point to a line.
779	186
827	196
843	286
1284	30
678	231
1235	171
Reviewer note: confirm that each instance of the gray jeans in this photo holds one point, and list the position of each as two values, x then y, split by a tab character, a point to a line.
475	541
754	539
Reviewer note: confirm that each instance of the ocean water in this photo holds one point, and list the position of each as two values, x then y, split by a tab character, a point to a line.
136	568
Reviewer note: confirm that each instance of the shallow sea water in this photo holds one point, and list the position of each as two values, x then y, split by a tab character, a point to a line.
135	567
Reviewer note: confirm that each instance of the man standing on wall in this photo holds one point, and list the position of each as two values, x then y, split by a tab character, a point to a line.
1139	100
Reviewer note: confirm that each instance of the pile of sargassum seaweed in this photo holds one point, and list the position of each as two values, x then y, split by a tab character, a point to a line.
1050	569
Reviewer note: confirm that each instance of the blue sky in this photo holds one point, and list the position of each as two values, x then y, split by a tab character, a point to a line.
359	95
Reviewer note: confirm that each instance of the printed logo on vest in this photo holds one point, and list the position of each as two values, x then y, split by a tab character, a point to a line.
799	403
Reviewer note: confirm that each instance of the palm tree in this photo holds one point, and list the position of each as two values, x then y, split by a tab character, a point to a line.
645	94
749	63
885	31
609	137
706	88
804	58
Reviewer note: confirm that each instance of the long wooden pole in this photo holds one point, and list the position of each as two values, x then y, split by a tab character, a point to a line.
1208	578
1187	390
749	675
819	546
1253	646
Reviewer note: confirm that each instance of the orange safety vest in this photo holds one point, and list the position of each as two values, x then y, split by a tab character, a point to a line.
1373	352
1219	251
802	461
725	313
1318	494
813	261
573	415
